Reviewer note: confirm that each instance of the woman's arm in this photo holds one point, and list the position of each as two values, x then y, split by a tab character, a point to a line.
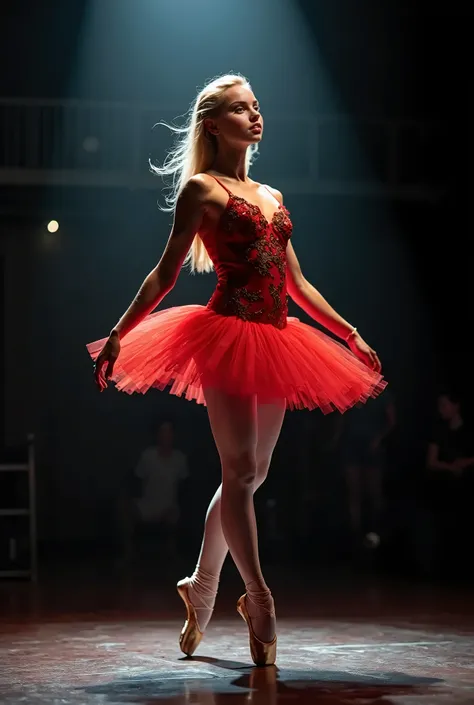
188	216
316	306
311	301
307	297
159	282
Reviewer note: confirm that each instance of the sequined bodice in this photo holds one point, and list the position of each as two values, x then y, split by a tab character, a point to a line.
249	256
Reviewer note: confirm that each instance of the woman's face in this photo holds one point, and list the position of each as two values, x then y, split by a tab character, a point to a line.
239	122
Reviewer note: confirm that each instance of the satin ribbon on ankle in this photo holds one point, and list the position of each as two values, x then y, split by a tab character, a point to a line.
261	599
205	586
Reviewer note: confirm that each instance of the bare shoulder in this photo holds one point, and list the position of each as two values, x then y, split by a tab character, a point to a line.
202	180
275	192
198	187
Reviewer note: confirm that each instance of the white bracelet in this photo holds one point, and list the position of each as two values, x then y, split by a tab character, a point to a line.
353	332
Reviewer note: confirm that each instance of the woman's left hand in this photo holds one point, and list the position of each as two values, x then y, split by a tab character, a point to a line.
364	352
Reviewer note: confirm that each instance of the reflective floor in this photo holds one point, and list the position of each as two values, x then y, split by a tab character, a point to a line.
93	638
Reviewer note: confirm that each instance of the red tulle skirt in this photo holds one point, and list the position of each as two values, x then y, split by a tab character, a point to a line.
187	348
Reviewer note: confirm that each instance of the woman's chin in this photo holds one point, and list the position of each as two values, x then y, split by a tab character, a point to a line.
255	138
247	141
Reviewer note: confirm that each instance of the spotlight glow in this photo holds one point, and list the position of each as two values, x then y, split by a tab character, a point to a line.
91	144
53	226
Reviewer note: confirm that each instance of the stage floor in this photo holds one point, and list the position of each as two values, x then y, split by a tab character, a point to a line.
95	638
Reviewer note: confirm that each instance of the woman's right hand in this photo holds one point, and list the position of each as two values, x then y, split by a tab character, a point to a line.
106	359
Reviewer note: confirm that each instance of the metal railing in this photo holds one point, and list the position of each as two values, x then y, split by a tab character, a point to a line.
16	547
84	143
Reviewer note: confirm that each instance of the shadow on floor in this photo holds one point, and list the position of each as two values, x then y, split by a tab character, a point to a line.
268	686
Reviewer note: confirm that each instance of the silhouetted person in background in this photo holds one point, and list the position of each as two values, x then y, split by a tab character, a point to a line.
316	484
160	469
449	485
364	439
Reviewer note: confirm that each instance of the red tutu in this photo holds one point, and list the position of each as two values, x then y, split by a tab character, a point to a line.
190	347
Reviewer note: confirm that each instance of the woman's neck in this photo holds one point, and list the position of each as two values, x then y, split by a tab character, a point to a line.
230	162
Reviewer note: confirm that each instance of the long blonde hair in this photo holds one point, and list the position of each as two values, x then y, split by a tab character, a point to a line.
194	152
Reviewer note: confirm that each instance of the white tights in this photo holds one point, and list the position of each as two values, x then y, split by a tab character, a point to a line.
245	433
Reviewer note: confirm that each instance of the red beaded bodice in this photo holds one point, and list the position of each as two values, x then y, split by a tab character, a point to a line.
249	256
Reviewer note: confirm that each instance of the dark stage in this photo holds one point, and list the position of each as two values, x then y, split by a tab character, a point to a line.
368	146
91	636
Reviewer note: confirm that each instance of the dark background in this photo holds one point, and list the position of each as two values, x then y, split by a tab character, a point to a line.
398	263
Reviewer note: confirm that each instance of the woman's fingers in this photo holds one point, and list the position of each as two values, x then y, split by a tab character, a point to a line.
104	364
371	360
378	364
99	374
375	363
110	366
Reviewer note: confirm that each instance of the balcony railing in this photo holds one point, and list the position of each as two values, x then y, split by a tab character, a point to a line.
81	143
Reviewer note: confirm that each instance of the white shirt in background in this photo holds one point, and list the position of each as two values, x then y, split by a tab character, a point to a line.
161	475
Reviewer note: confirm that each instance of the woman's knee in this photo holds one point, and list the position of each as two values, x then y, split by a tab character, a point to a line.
240	467
262	472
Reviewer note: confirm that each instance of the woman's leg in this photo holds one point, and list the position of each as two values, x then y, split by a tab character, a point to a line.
269	418
259	601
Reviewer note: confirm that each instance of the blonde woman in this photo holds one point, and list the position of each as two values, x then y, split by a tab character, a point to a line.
240	355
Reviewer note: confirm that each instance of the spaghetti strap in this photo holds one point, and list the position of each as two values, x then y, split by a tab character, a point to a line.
231	194
221	184
271	194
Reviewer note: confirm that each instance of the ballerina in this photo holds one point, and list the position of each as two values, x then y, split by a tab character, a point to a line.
241	355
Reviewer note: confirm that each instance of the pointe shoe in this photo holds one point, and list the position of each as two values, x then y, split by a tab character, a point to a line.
191	635
263	652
